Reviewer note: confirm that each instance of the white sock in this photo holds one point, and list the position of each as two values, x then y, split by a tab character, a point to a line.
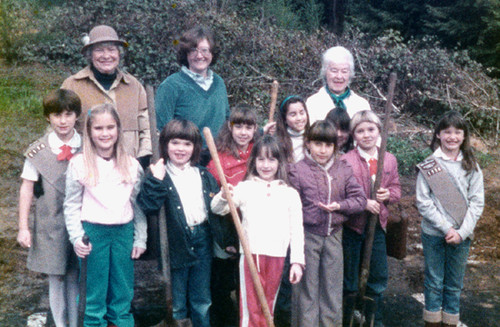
57	299
72	295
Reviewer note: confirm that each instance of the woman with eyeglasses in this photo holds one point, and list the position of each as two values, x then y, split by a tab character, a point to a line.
194	93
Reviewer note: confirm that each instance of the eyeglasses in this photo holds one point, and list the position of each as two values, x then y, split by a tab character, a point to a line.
204	51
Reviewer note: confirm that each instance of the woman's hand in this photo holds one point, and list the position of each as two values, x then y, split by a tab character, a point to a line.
452	237
24	238
137	252
296	272
383	194
334	206
373	206
158	169
81	249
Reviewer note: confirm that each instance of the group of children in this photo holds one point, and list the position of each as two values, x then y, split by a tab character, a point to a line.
304	194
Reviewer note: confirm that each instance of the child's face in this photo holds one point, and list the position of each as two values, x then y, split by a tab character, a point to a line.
104	134
63	124
321	151
266	167
342	137
366	135
451	139
296	117
180	151
242	134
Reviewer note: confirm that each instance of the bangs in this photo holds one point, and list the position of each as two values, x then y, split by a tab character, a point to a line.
181	129
322	131
452	119
243	115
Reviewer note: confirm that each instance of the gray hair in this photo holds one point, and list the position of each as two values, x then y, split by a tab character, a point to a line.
336	54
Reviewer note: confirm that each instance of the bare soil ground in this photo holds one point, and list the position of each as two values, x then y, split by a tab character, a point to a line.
23	293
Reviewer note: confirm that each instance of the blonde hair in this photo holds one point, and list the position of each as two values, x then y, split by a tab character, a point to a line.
121	158
365	116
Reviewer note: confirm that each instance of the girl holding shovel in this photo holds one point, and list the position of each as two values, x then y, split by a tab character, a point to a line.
272	220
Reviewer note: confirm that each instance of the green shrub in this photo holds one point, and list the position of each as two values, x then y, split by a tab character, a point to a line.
407	152
255	50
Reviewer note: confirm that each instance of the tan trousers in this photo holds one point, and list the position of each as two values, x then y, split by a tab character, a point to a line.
317	299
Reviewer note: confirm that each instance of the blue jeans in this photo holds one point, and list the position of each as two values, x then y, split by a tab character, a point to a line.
191	285
444	273
353	245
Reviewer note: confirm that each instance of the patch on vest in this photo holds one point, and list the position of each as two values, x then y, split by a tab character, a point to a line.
36	149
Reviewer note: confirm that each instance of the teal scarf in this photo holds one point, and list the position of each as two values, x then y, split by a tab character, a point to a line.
338	100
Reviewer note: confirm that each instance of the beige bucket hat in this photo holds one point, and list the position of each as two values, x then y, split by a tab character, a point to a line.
103	33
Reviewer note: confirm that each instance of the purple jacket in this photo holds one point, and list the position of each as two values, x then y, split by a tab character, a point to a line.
315	184
390	180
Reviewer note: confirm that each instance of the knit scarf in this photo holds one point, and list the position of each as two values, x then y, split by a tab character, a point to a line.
338	100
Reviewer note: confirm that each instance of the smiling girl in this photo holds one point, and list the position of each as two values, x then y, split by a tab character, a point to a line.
291	123
234	145
185	189
272	220
101	186
447	231
329	193
366	127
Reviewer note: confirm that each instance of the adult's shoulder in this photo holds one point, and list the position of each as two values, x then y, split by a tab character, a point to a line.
80	75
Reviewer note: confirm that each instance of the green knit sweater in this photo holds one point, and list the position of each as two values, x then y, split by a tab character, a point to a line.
179	97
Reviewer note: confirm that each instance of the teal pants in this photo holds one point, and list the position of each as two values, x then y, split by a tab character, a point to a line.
110	275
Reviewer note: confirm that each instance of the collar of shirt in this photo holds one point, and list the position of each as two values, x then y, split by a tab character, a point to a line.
55	142
440	154
294	133
325	167
365	155
203	82
176	171
274	182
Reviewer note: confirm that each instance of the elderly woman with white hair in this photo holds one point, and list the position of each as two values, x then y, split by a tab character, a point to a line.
102	81
337	71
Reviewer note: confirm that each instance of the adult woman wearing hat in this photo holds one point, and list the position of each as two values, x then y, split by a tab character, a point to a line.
102	81
337	71
194	93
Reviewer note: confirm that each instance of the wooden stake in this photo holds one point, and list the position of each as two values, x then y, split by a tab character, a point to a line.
239	228
372	219
274	97
160	219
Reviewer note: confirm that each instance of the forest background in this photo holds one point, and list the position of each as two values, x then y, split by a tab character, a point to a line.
446	54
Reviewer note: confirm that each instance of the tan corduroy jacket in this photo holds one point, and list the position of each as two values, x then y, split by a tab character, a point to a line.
129	98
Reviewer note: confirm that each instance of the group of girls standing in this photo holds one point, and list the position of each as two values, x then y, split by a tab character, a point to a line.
304	191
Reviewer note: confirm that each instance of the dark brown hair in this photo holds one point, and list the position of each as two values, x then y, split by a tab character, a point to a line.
268	146
455	119
322	131
184	130
241	114
190	40
281	125
61	100
341	120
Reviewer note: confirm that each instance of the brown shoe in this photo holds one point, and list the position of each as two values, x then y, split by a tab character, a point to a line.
432	324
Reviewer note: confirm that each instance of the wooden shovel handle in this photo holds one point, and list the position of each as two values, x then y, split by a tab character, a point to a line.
239	228
274	97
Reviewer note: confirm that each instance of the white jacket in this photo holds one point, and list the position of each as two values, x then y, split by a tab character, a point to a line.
271	217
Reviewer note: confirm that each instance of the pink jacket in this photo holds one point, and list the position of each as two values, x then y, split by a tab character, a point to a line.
390	180
315	184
